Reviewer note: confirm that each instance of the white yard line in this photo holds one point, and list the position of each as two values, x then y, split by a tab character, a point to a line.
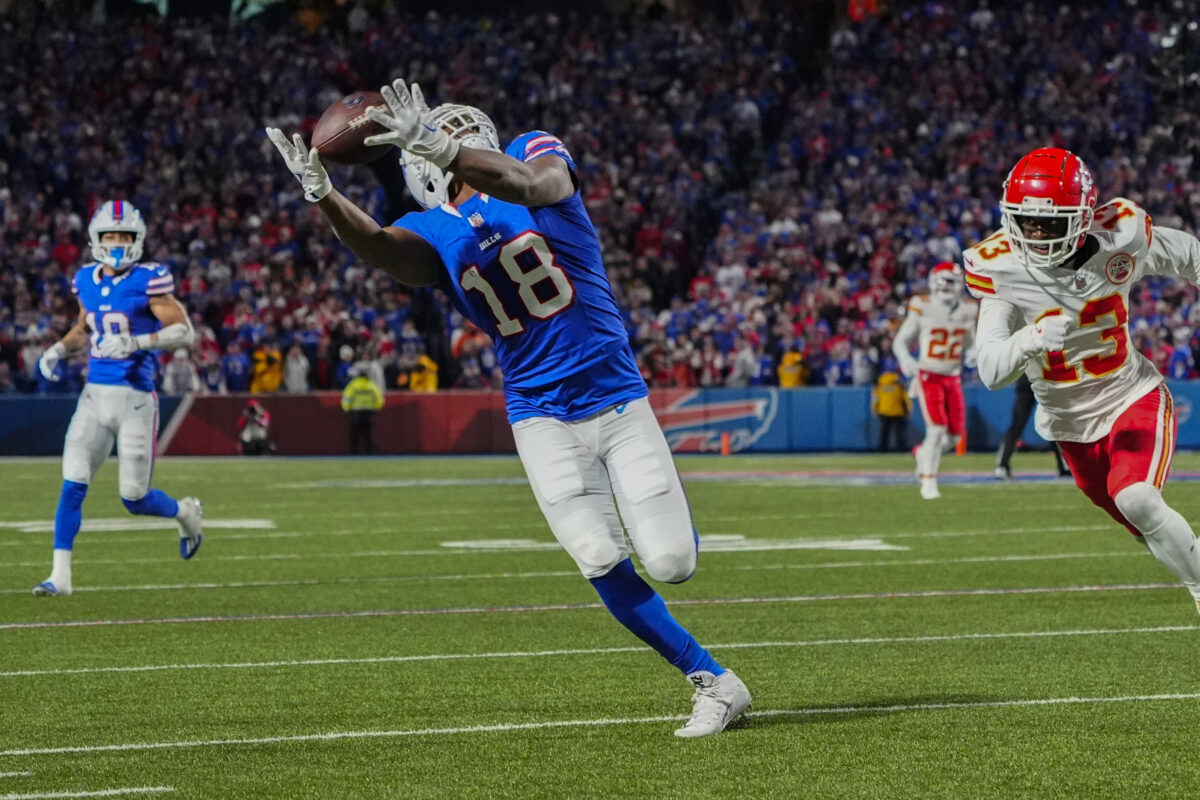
591	723
872	640
713	601
492	576
95	793
16	774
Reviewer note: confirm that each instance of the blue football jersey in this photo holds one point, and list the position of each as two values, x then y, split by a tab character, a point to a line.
533	279
120	304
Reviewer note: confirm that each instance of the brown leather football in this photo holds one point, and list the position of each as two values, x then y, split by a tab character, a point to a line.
340	131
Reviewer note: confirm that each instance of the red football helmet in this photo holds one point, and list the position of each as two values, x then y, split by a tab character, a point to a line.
946	281
1048	204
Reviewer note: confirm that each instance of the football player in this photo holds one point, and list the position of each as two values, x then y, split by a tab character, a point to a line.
126	311
942	325
506	236
1054	286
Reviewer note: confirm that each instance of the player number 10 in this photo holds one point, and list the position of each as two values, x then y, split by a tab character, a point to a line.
546	270
1059	371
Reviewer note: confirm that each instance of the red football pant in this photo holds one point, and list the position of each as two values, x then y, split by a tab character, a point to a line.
942	402
1139	448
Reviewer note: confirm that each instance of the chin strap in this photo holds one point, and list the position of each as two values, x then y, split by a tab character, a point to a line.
179	334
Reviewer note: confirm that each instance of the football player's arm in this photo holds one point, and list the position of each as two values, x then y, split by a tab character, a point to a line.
399	252
970	351
75	341
910	331
1003	347
176	330
541	182
1174	252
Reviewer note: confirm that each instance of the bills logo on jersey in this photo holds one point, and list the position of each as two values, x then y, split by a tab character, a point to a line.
694	424
1119	268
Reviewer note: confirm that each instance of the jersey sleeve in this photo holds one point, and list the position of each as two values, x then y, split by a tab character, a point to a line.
159	280
79	273
537	144
1173	252
979	284
424	224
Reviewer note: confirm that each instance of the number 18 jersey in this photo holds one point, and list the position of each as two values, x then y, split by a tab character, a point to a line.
533	279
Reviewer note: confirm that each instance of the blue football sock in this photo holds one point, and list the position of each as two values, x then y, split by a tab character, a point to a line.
156	503
69	515
640	609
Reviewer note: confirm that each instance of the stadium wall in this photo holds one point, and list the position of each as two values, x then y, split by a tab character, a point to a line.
756	420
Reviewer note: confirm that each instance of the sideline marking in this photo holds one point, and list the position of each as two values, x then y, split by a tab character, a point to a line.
318	662
581	723
96	793
125	524
428	612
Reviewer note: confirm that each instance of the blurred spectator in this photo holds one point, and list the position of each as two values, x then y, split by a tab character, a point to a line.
341	375
212	378
179	375
235	368
295	370
361	400
891	403
424	377
254	430
268	369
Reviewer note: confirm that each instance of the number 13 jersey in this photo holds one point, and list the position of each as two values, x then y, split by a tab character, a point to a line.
533	279
1082	389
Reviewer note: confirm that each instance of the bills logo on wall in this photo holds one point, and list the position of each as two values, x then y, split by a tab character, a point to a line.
693	420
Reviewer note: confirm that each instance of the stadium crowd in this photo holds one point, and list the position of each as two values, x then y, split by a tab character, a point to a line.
762	220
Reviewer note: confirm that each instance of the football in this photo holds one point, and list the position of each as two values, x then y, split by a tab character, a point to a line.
339	133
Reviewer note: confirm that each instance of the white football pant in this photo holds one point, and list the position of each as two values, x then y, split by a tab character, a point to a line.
576	469
104	414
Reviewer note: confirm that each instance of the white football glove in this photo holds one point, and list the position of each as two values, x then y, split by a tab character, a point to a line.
1050	333
410	125
49	360
304	163
117	345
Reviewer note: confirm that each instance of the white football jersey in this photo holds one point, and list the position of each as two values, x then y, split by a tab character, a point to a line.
1082	389
944	333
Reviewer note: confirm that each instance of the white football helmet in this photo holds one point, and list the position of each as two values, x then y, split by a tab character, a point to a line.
946	282
430	184
117	216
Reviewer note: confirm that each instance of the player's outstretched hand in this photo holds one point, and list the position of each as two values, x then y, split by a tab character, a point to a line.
304	163
1051	333
49	361
120	345
410	125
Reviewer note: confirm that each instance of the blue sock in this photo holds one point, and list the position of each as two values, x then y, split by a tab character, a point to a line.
69	514
156	503
640	609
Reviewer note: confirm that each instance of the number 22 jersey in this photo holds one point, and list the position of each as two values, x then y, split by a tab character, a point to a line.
1082	389
532	278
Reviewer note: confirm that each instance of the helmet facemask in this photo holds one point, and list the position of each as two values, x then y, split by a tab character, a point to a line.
1063	230
430	184
116	216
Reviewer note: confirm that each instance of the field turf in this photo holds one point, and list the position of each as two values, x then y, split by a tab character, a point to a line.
406	628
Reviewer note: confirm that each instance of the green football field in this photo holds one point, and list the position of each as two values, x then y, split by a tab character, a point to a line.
406	628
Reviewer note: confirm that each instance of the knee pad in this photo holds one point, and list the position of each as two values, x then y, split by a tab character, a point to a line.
587	537
1143	505
667	544
935	437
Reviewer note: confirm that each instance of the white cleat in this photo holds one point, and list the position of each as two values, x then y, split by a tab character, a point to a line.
48	588
717	701
1003	473
929	489
191	512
